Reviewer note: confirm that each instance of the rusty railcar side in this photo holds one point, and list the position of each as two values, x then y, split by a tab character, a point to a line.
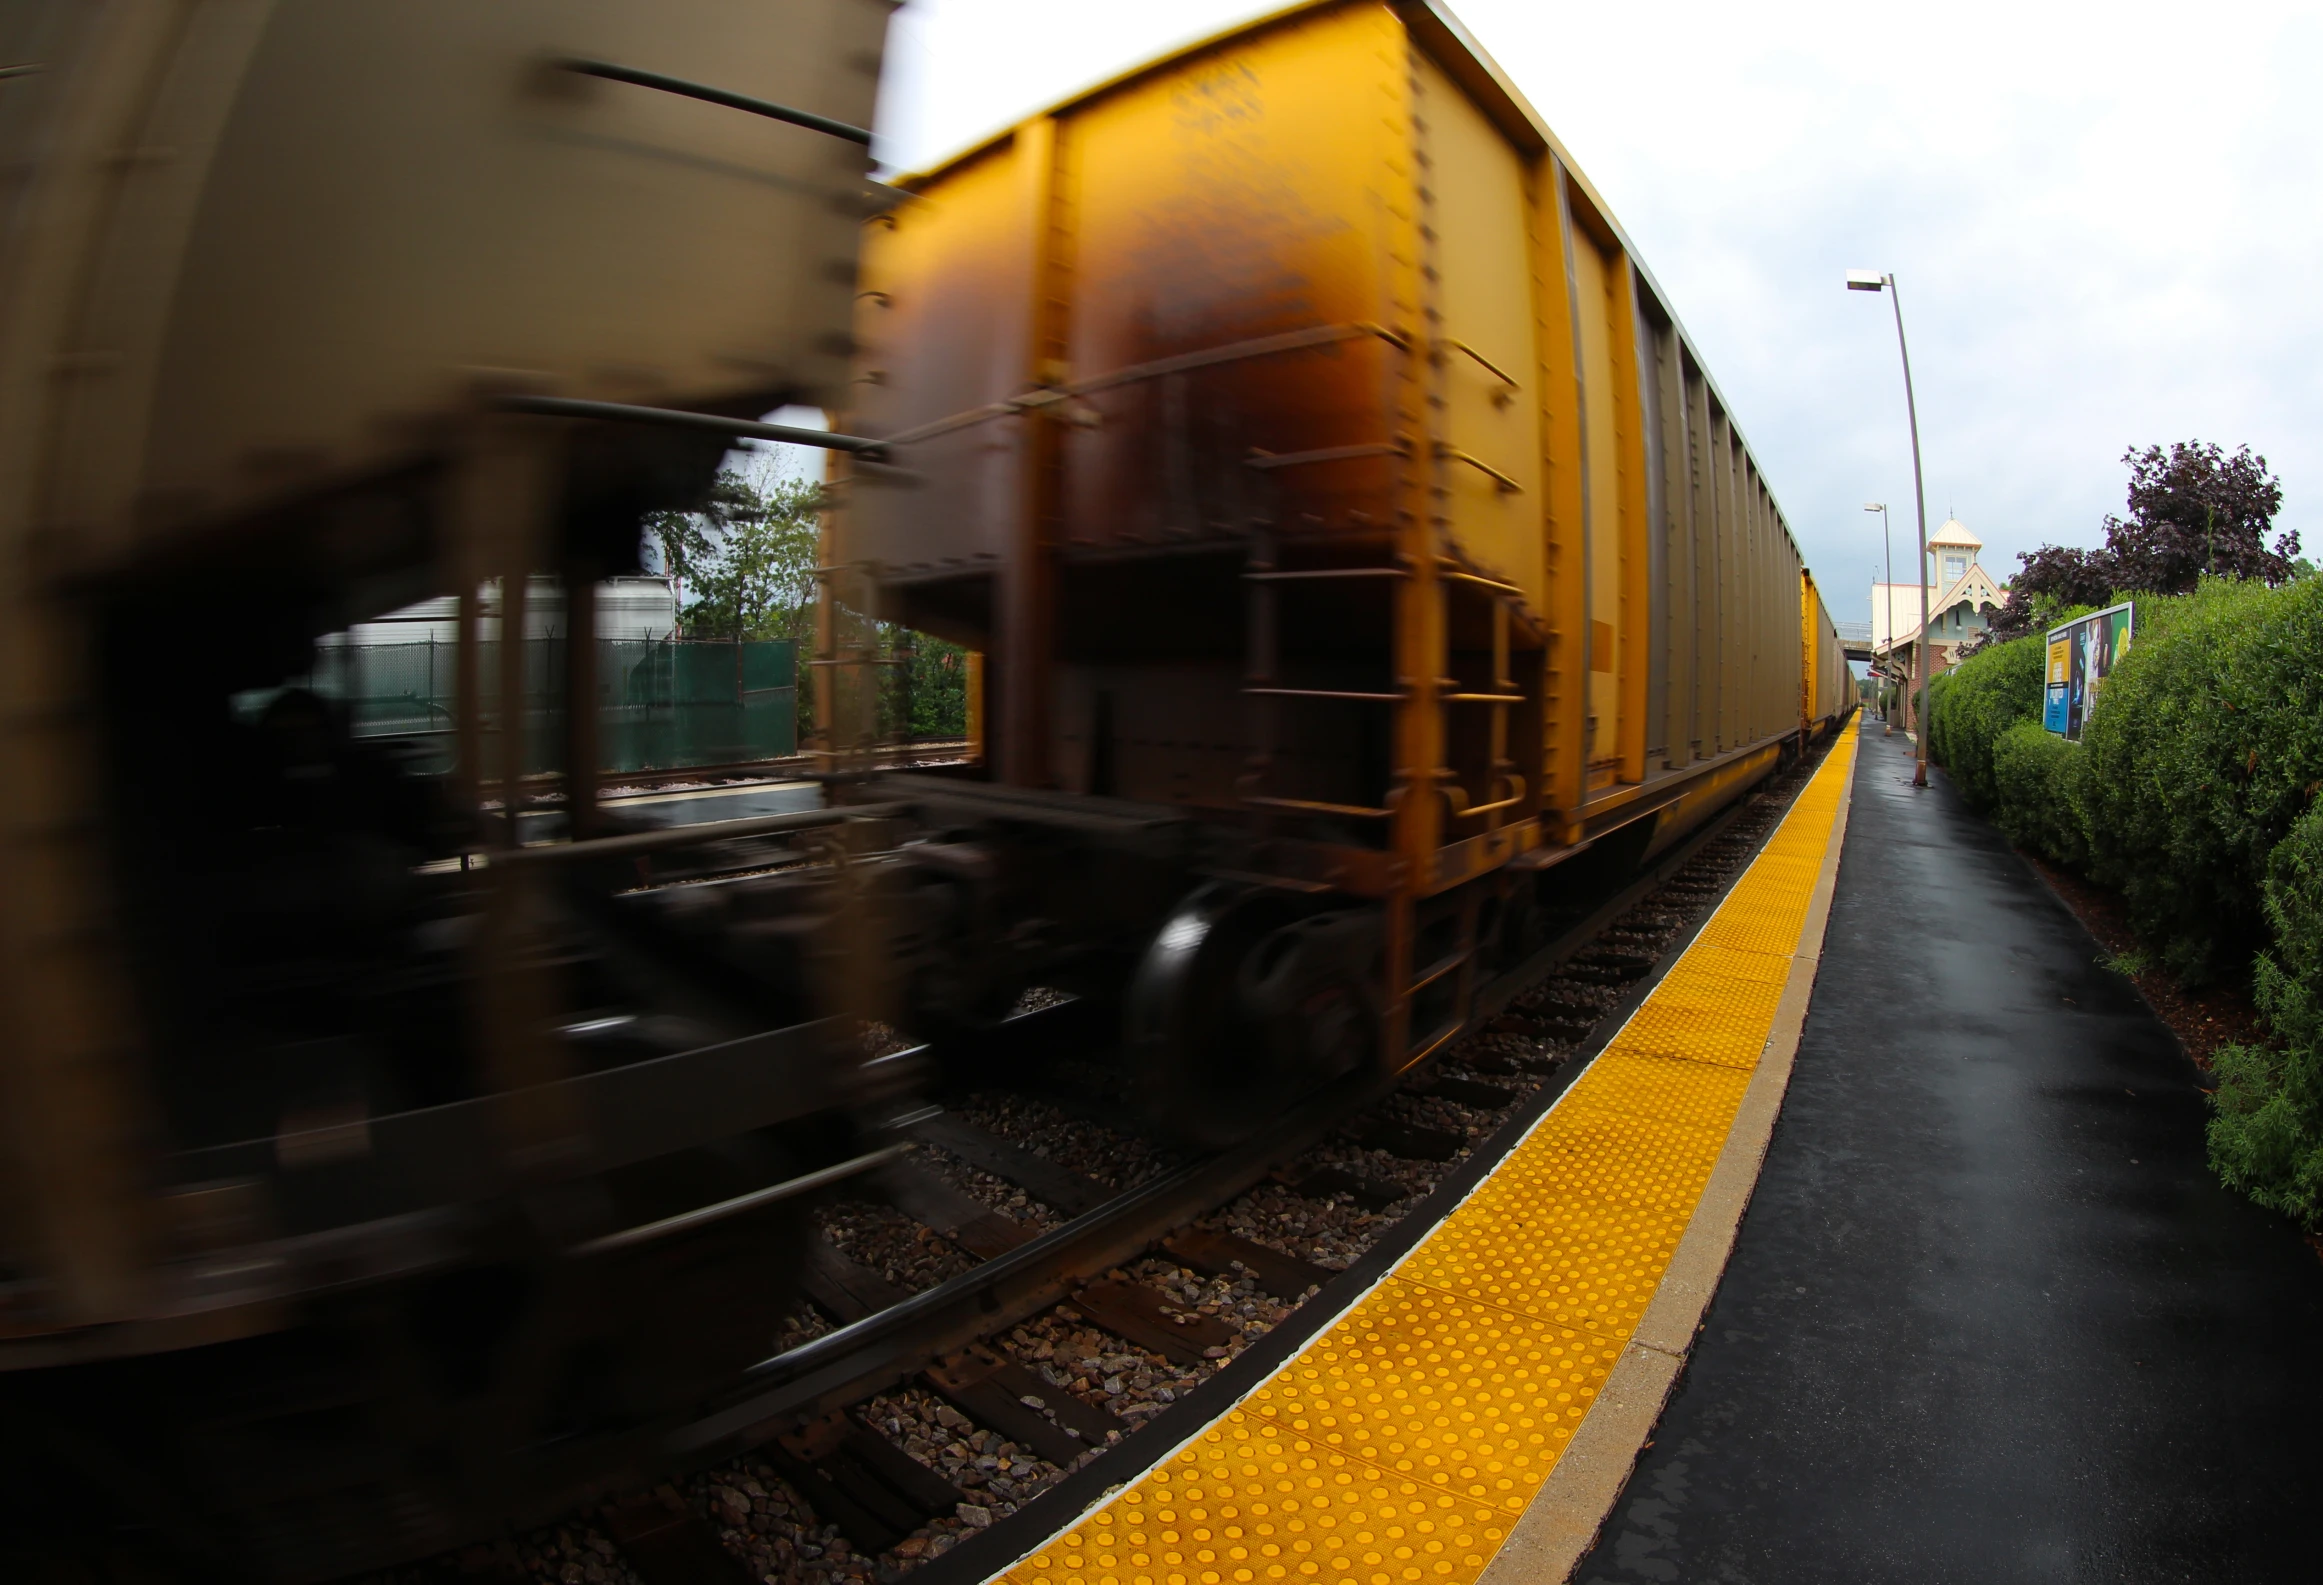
1297	436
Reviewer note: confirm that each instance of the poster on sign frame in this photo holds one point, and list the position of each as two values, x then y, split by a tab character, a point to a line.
2082	653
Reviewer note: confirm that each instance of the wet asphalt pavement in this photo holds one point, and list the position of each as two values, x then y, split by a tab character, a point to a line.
1989	1317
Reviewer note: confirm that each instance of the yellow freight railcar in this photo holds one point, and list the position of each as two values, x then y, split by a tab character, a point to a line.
1293	431
1826	685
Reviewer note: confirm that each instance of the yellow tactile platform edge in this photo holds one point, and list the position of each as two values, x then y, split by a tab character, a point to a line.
1406	1440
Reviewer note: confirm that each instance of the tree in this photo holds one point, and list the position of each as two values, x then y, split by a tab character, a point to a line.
747	559
2194	512
938	680
2197	512
2050	581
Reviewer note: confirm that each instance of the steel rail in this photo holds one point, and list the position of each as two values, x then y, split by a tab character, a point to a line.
704	1215
700	834
788	767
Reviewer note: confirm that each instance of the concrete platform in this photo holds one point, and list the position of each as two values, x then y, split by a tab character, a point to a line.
1989	1317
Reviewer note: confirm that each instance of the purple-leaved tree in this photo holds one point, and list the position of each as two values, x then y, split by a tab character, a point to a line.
2195	510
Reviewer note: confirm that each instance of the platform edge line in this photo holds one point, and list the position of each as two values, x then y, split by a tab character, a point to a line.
1564	1518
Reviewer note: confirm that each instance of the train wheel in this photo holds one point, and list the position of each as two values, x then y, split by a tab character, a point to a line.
1244	1001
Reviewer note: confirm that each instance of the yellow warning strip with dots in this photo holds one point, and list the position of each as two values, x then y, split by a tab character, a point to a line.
1406	1440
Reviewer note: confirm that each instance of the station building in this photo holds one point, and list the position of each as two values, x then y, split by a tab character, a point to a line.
1962	601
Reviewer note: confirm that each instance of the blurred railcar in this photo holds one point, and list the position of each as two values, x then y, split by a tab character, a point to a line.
364	1183
1350	534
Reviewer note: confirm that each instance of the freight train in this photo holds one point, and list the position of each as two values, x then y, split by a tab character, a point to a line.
1360	563
1351	536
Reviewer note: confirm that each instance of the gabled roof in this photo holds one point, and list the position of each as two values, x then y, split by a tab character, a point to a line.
1975	585
1954	533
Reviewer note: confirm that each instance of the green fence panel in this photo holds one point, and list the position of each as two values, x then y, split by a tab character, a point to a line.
662	704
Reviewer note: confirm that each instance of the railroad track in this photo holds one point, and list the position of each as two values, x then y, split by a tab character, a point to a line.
545	789
940	1424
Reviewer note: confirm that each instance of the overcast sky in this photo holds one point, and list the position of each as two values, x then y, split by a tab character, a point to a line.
2105	220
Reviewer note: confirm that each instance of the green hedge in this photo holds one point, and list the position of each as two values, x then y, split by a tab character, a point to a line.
2206	745
1972	705
2193	793
2266	1131
2038	804
2205	749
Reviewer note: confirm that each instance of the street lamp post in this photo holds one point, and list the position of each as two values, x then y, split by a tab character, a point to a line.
1871	281
1887	545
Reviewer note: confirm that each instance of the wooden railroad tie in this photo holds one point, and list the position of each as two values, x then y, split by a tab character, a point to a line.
1566	1021
844	1288
1598	971
858	1480
966	1221
1627	958
1045	1180
1505	1065
1465	1092
1006	1397
1407	1140
1324	1182
667	1543
1284	1276
1157	1324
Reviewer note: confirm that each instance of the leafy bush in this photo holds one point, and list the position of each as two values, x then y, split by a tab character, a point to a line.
1971	706
2266	1130
2037	779
2204	750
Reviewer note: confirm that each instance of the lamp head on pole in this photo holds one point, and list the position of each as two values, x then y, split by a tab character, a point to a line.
1865	280
1875	506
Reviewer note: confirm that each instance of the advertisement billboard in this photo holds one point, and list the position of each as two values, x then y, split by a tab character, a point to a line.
2081	655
